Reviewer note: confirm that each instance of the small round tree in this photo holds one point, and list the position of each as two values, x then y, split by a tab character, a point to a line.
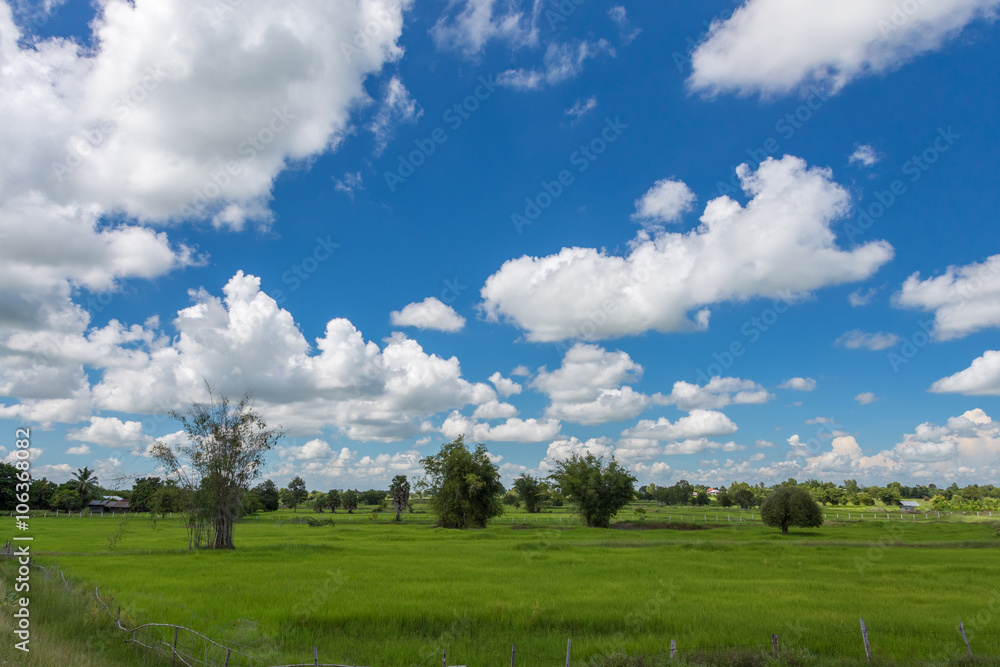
791	506
598	491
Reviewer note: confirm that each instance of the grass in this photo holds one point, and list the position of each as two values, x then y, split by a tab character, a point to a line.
383	593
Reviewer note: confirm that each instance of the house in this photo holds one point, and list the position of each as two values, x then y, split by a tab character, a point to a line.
909	506
712	492
108	504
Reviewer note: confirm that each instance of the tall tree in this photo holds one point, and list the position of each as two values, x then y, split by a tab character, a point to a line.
599	491
529	490
399	492
225	449
297	493
333	499
267	494
143	489
85	483
791	506
349	499
465	486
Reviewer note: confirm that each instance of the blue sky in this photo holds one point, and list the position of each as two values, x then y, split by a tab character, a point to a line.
718	240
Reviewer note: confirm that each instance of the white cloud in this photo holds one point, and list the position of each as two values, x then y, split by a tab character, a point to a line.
820	420
397	107
494	410
798	384
560	450
699	423
861	296
78	450
245	340
112	432
430	313
981	378
349	183
779	244
666	201
587	387
969	443
470	29
857	339
505	386
779	46
866	398
717	393
626	31
864	154
965	299
698	445
581	107
560	63
511	430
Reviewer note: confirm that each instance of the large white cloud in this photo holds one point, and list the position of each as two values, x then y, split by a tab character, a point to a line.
716	393
981	378
246	341
778	46
587	387
964	299
698	424
112	432
510	430
780	243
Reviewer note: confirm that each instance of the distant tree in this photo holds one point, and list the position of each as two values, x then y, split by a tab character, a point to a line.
598	491
529	490
85	483
512	499
41	492
142	494
316	500
222	454
399	492
866	499
465	486
67	499
349	500
745	498
791	506
702	498
372	497
851	487
297	492
8	486
267	494
169	497
724	499
333	499
889	495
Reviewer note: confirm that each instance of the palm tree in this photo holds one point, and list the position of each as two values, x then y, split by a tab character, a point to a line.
85	482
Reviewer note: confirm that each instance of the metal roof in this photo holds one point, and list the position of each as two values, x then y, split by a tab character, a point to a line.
909	503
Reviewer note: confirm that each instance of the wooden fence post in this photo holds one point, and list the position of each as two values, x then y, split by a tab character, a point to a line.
673	648
774	645
513	653
864	635
961	628
569	643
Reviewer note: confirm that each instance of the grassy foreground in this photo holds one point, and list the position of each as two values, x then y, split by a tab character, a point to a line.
398	594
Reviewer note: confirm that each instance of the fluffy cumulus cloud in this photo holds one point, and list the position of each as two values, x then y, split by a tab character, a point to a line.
779	46
856	339
323	466
666	201
505	386
136	130
967	446
798	384
716	393
112	432
698	424
244	339
964	299
511	429
430	313
587	387
780	243
981	378
560	450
